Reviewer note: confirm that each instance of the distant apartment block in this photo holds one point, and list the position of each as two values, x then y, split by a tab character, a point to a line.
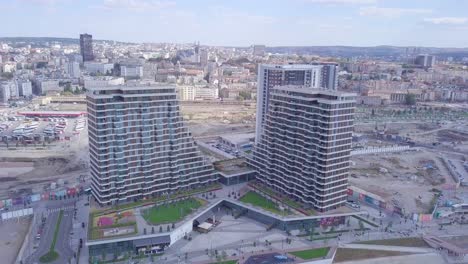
139	145
24	88
329	78
99	68
73	69
46	86
86	47
128	71
5	94
425	60
304	75
258	50
191	93
304	151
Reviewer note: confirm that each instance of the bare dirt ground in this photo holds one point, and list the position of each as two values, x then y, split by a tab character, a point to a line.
407	179
27	171
206	120
25	175
13	234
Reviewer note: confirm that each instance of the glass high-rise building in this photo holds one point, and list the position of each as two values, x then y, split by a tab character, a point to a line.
86	47
305	147
139	146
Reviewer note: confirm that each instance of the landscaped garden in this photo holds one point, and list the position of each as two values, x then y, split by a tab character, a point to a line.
171	212
283	198
112	224
117	216
256	199
311	253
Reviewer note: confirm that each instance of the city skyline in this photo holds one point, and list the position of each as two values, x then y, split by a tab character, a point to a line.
300	23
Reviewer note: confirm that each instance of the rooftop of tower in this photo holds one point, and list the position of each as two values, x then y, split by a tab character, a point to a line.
343	96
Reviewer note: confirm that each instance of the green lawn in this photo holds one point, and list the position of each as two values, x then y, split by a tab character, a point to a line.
311	253
256	199
170	213
226	262
52	255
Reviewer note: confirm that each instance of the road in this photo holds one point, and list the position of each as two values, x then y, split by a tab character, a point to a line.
46	239
62	246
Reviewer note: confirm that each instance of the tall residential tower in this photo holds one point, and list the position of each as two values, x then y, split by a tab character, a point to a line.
305	75
305	147
139	145
86	47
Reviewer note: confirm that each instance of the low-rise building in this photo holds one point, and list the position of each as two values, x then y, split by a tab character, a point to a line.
131	71
98	68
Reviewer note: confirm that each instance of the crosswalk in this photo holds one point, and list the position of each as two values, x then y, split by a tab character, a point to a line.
65	208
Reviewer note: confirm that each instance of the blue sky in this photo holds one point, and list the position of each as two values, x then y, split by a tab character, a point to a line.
438	23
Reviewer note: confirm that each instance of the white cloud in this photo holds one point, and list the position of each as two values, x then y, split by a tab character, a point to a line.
391	12
333	2
138	5
447	20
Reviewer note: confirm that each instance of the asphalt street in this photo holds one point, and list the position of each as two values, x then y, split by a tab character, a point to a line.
62	246
46	238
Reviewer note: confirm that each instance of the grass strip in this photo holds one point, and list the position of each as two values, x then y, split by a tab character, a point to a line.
52	255
311	253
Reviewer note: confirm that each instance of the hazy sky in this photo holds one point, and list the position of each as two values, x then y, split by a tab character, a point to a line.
442	23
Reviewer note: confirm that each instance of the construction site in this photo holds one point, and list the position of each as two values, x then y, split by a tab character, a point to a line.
409	179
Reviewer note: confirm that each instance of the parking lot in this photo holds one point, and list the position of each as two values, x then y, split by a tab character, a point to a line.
39	130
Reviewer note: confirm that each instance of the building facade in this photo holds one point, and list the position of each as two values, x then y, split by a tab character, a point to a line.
86	47
98	68
258	50
24	88
135	71
304	151
329	78
192	93
5	94
139	145
425	60
269	76
73	69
